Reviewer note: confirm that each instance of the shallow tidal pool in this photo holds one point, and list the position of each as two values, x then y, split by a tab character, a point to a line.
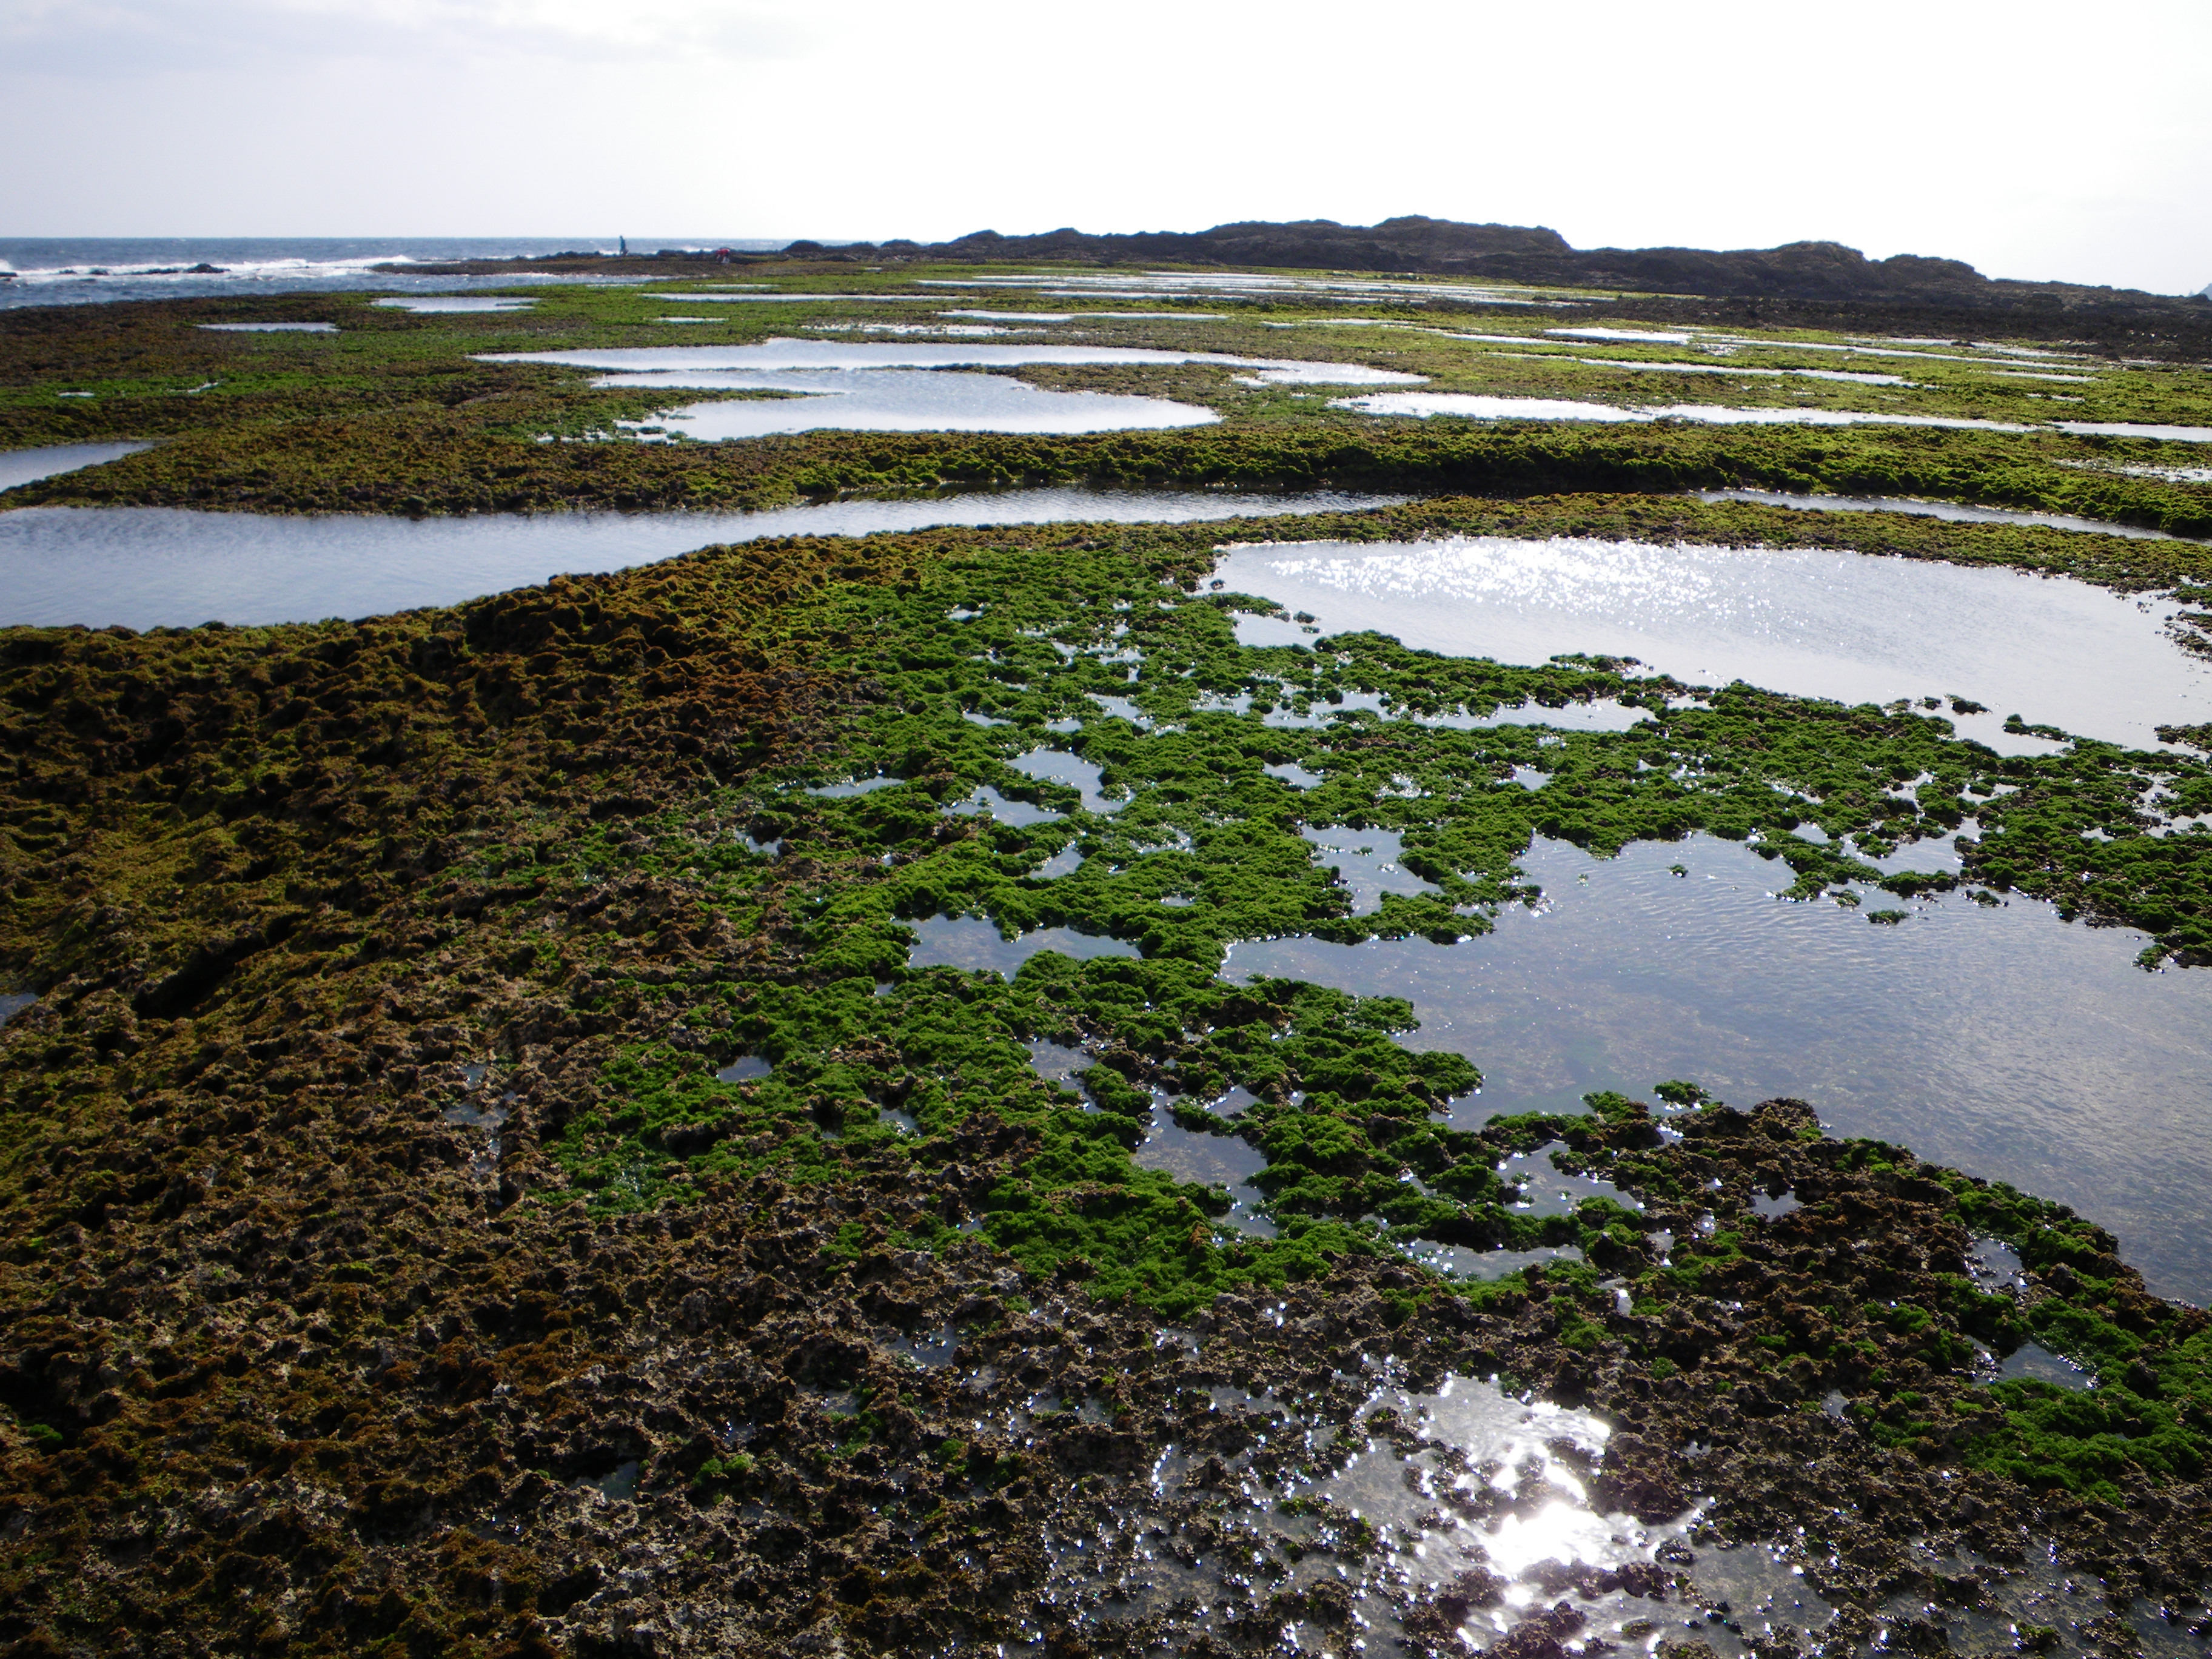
873	385
906	400
2001	1041
1812	622
169	566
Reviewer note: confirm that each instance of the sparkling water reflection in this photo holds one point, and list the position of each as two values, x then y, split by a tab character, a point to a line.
1812	622
1482	407
904	400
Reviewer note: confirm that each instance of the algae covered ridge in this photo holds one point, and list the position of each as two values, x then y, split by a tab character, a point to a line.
620	1117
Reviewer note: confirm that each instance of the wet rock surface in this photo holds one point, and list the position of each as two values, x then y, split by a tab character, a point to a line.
384	1261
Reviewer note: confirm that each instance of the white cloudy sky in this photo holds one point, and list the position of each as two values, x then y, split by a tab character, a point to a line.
2035	140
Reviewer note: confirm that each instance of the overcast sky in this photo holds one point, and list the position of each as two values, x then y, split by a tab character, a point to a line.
2033	140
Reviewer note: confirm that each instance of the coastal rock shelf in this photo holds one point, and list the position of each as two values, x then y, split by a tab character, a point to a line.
1605	1061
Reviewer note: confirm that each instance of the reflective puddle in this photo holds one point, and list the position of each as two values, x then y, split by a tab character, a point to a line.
879	386
1056	766
155	567
672	365
2033	1362
973	944
1373	1517
911	400
1366	865
988	803
1812	622
454	302
1057	1063
1498	1488
1435	1522
1209	1160
2004	1041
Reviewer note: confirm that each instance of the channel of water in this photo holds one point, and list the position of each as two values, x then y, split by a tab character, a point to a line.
22	466
1917	508
1479	406
153	567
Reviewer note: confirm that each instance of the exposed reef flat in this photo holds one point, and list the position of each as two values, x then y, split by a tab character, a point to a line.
401	412
720	1108
385	1258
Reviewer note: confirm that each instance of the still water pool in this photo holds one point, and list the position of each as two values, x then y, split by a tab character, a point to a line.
22	466
1812	622
873	385
152	567
2004	1041
904	400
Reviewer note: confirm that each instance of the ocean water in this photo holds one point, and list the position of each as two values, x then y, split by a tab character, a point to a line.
91	270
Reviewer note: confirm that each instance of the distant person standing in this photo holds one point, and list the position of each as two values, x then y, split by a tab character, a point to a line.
623	242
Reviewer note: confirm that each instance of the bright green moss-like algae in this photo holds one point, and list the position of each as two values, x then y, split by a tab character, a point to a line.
274	885
1032	637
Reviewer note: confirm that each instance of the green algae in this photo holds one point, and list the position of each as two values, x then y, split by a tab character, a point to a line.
2152	1359
1036	629
277	886
396	414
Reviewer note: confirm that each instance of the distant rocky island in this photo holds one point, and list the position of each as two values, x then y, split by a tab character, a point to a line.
1525	254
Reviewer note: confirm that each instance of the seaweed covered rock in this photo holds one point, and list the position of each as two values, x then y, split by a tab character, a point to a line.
486	1174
